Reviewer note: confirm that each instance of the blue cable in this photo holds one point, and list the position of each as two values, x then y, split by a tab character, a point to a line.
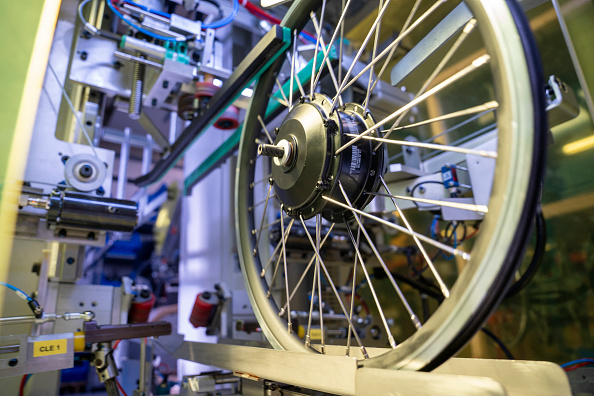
139	28
18	291
577	361
225	21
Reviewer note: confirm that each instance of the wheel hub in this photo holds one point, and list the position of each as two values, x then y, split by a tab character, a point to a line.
305	167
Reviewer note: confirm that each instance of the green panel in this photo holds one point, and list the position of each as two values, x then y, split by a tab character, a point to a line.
18	28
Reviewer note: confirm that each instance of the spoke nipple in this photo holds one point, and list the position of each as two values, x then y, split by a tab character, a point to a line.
268	294
255	251
271	181
281	312
262	274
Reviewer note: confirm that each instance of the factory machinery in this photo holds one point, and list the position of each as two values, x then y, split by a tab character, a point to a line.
386	160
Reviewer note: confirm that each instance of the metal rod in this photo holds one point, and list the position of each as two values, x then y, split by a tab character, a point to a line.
432	146
463	206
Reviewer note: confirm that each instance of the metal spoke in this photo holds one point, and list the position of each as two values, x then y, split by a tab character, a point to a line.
278	245
340	47
340	25
321	264
282	102
255	251
413	316
457	44
280	89
442	286
283	241
477	63
299	86
292	74
489	106
360	52
260	203
371	288
394	48
325	51
371	70
311	303
431	146
255	230
449	130
319	35
456	205
320	308
289	324
356	243
397	41
265	129
265	179
439	245
302	278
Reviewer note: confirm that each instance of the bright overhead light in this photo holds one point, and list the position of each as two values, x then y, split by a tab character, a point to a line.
578	146
272	3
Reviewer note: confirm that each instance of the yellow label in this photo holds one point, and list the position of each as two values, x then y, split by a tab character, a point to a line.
52	347
315	334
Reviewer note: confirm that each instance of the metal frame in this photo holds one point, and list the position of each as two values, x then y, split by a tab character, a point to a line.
343	376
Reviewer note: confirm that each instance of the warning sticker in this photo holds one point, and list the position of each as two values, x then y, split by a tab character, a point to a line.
51	347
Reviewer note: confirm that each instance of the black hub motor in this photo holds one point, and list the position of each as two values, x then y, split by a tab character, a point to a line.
305	165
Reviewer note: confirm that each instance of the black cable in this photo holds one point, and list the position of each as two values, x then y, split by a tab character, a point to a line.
506	351
412	191
539	251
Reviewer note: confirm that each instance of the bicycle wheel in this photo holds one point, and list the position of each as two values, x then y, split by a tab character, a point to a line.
319	192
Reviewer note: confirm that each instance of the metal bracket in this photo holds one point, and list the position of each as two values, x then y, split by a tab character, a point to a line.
343	376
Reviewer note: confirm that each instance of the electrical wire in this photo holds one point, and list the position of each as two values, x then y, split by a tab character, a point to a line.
412	191
18	291
224	21
92	29
578	361
536	261
74	112
120	387
500	343
140	28
23	384
261	14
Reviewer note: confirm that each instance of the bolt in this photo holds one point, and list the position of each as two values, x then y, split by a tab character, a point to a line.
86	171
100	191
98	362
154	102
84	55
91	236
65	158
372	173
422	190
62	233
135	104
70	260
13	362
165	84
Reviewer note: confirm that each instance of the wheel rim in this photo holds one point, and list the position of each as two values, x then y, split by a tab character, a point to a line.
484	276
